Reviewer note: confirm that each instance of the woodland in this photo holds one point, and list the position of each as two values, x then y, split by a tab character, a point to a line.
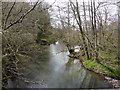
28	28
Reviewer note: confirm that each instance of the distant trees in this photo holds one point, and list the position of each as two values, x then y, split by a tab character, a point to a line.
43	23
68	37
66	32
94	23
94	33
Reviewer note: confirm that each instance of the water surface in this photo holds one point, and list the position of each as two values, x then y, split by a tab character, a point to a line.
54	69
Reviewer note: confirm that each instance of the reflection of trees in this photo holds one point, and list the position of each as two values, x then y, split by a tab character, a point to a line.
85	81
69	63
92	82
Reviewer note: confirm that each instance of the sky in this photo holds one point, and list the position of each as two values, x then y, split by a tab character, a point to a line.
112	8
58	1
51	1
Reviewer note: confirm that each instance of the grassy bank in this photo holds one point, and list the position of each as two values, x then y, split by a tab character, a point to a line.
107	66
104	67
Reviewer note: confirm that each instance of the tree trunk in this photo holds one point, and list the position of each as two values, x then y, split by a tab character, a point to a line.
75	10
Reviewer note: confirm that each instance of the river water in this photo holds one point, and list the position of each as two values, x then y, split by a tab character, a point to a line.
54	69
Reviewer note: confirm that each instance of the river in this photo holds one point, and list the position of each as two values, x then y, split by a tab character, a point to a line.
54	69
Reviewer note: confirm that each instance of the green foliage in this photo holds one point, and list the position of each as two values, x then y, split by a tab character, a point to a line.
107	56
117	71
90	64
106	66
103	68
114	70
48	39
84	58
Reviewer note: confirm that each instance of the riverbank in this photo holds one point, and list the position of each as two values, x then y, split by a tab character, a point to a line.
107	70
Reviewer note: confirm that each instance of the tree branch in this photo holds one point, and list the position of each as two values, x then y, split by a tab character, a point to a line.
21	17
8	15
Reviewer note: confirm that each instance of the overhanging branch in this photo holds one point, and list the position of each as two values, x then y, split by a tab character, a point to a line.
21	17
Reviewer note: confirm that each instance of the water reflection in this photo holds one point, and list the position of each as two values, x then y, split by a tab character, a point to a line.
59	71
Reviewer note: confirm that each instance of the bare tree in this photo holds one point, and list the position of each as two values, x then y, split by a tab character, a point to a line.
76	12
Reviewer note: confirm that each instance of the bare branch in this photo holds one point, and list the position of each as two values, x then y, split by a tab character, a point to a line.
9	13
22	17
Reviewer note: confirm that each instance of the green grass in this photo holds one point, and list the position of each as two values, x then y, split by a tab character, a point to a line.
103	67
90	64
107	56
83	58
106	65
114	70
93	65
